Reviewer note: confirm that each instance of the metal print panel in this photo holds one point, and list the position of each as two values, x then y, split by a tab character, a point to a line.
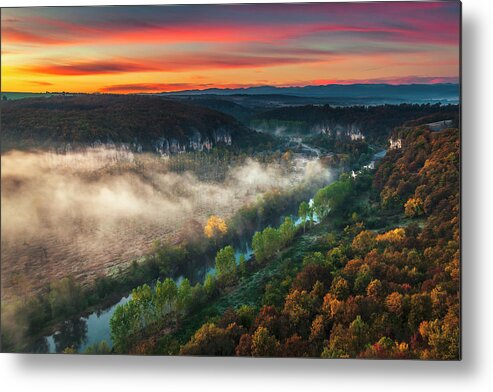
266	180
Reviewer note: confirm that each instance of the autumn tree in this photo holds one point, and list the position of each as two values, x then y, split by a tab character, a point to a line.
340	288
392	237
244	347
331	306
270	318
210	340
364	242
363	279
296	347
421	309
309	275
298	306
318	331
374	288
393	302
339	344
215	227
264	344
442	336
386	348
439	301
414	207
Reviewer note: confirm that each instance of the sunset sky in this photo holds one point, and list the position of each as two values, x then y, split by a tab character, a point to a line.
170	48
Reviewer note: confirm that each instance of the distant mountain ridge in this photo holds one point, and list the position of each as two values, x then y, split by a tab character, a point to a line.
439	91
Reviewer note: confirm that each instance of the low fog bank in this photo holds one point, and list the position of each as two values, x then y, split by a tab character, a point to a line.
86	213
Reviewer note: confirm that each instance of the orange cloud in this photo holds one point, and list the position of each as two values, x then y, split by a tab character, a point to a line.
40	83
179	63
12	35
127	48
88	68
74	34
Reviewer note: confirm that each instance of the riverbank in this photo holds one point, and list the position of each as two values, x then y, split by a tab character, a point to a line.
247	292
91	325
94	325
97	323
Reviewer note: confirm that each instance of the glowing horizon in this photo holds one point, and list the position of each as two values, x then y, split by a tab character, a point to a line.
129	49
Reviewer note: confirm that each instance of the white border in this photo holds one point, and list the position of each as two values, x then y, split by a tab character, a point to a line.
473	373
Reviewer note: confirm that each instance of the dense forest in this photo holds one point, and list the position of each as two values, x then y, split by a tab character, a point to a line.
373	122
142	122
241	111
378	277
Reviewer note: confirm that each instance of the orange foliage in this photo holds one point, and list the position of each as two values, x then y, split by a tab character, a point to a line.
393	303
414	207
215	227
392	236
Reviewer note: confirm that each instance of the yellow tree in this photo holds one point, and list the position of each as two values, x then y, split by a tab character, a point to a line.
414	207
215	227
392	236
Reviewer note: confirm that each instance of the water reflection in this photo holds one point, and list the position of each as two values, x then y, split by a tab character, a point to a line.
72	334
87	331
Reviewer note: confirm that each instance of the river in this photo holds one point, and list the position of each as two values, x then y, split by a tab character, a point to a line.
83	332
86	331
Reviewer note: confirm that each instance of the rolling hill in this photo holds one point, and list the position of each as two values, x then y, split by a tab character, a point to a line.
444	92
142	123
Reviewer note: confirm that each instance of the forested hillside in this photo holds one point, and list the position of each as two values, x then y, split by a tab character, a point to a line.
142	122
226	105
373	122
378	277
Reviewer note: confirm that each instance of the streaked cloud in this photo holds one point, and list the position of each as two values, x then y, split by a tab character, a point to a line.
229	44
87	68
